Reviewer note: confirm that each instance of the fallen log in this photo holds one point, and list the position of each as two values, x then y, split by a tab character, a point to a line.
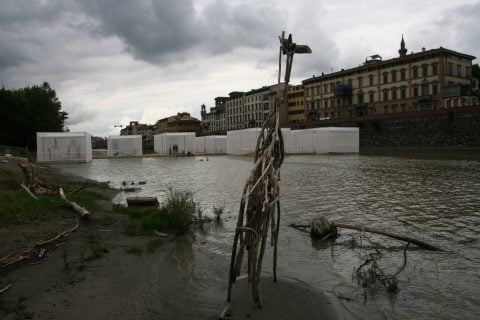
84	214
142	201
321	227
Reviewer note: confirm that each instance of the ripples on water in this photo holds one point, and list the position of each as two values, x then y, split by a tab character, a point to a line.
431	199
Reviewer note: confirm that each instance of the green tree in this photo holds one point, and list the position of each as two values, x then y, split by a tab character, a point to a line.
26	111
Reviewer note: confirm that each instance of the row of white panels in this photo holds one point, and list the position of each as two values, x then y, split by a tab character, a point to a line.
76	146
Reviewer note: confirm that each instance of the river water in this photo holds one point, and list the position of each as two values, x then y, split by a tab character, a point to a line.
431	197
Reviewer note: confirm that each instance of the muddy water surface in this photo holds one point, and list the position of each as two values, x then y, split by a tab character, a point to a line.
433	198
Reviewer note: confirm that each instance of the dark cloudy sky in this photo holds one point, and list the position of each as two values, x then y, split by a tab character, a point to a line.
115	61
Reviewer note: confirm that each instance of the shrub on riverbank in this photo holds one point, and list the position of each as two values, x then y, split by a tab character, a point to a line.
176	212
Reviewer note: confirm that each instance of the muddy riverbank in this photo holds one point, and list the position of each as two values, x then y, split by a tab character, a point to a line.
99	272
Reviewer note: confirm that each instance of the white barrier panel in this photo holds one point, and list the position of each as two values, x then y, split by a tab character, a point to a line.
344	140
242	142
64	147
211	144
130	145
302	141
173	143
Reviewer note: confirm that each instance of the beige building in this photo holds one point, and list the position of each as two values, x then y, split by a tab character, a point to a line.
251	109
296	108
182	122
428	79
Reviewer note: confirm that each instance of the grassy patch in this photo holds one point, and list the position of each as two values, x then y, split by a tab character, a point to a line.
177	212
18	207
93	248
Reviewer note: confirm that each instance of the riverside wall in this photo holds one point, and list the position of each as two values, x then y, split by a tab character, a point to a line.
439	129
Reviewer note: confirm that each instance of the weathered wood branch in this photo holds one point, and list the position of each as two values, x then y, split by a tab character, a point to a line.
24	187
321	227
84	214
58	236
388	234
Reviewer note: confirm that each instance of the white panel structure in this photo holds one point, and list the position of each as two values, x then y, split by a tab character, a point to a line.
336	140
287	140
211	145
121	146
344	140
242	142
64	147
321	140
174	143
302	141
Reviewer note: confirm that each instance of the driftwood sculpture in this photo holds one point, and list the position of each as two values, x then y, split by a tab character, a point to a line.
259	210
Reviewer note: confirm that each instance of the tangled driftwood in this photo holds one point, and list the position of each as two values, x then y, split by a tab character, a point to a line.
321	227
259	210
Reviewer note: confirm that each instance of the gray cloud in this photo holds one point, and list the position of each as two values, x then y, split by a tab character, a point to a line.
160	31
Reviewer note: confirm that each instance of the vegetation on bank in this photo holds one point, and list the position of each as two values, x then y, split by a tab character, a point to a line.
177	212
17	207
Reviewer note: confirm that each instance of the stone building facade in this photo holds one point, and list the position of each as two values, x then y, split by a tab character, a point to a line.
214	122
411	82
250	109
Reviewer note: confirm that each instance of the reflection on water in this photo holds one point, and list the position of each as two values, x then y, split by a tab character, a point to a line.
434	199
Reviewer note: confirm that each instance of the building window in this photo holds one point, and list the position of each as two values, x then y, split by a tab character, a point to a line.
415	72
385	77
459	70
394	75
425	70
325	88
360	98
425	89
371	80
394	93
385	95
467	72
394	108
385	109
371	97
450	68
434	69
404	107
435	88
360	82
415	92
403	93
403	75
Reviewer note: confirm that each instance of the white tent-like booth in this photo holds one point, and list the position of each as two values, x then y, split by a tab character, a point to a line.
171	143
64	147
121	146
211	144
242	142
